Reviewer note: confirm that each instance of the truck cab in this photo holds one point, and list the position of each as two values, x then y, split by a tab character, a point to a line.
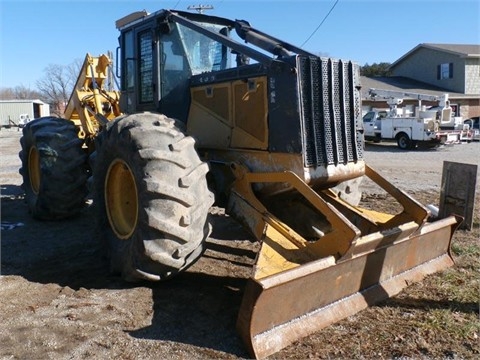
372	124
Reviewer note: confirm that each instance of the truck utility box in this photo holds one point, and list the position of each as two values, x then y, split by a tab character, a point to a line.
430	128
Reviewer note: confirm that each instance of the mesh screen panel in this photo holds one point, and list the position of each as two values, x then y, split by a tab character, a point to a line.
330	108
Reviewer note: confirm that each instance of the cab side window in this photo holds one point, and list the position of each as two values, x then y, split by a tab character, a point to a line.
369	117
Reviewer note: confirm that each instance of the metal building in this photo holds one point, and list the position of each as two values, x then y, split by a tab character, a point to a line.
11	110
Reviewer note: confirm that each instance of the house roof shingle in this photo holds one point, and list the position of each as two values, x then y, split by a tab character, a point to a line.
404	84
461	50
465	50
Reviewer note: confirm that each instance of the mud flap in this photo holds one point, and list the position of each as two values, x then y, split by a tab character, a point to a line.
282	308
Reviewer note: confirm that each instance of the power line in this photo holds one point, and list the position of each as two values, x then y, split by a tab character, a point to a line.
318	27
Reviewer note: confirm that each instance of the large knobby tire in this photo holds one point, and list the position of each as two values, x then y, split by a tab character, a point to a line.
53	168
151	197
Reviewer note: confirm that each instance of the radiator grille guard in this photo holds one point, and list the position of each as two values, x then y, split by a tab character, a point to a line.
330	107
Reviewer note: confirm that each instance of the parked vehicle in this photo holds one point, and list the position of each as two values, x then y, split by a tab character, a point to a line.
474	127
372	124
427	128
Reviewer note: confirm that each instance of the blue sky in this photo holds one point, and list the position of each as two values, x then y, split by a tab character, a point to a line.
36	33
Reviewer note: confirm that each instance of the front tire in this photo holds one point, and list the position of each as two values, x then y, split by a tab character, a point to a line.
151	197
53	168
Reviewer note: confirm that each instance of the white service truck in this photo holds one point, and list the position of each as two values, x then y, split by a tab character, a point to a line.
409	131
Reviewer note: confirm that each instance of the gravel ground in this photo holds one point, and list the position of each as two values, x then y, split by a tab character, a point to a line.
59	301
418	170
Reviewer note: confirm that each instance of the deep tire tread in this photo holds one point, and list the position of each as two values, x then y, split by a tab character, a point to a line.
171	228
63	172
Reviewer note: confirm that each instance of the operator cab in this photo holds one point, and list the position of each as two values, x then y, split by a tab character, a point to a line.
180	52
159	57
166	52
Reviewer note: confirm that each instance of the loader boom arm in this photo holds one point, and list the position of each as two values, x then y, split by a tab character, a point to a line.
93	102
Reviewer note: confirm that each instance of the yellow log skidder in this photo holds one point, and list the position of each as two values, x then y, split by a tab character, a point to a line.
263	128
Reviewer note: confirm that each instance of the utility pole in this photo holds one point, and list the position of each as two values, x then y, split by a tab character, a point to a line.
200	8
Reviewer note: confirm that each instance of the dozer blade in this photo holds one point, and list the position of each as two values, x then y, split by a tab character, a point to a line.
300	287
280	309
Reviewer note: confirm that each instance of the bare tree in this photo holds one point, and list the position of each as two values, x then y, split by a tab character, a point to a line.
53	88
7	94
20	92
56	86
74	69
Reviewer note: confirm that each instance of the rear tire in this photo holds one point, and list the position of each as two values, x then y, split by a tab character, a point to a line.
53	168
404	142
151	197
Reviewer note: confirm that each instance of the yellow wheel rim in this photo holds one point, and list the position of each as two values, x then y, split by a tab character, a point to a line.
34	169
121	199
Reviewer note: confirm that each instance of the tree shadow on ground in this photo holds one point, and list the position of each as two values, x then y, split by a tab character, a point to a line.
63	252
414	303
197	307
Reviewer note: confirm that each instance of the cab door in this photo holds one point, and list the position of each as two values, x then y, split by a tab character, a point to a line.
139	75
369	120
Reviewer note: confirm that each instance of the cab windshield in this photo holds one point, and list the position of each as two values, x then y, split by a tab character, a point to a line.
204	54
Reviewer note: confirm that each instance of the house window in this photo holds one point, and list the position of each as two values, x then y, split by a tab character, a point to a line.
445	71
455	110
